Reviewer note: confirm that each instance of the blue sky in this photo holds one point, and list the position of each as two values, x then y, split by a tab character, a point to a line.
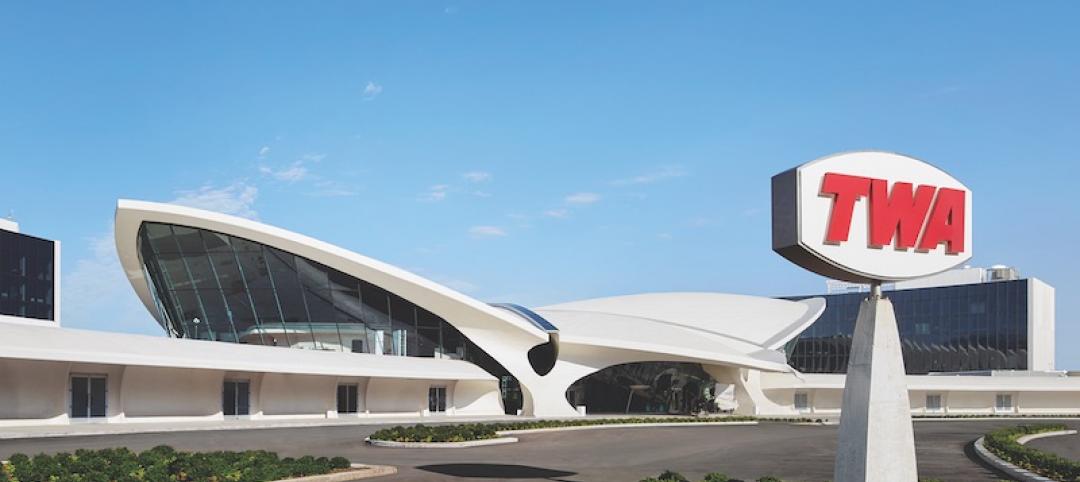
532	153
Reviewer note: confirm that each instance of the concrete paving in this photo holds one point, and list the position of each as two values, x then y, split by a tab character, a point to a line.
792	452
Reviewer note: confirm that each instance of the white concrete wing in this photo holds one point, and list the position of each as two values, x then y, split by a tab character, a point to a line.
708	328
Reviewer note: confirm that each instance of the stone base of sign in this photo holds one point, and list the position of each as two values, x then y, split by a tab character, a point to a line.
877	442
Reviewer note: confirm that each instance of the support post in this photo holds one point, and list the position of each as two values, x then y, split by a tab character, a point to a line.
876	441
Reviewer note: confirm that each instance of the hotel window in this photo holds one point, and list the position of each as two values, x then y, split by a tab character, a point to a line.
1003	402
347	399
437	399
802	402
933	403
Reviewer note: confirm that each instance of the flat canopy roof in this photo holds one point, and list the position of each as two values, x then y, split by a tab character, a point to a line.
46	343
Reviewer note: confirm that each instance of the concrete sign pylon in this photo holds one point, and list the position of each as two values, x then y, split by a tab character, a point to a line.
868	217
877	442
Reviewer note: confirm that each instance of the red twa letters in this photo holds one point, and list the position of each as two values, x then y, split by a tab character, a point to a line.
899	215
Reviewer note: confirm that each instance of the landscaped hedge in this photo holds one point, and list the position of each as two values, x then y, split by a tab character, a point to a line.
669	476
163	464
479	431
1002	442
436	433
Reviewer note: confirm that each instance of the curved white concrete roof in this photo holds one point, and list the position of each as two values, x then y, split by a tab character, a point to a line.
746	323
452	306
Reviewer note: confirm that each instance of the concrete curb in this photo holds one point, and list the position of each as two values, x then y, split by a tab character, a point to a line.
360	471
1035	436
441	445
1013	471
621	425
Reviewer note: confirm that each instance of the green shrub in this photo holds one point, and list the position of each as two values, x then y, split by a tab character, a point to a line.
716	477
672	476
1002	442
769	478
162	464
339	463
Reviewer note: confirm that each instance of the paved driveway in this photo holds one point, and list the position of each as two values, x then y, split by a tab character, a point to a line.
792	452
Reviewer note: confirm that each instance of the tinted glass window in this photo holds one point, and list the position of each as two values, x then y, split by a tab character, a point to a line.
26	276
242	291
945	329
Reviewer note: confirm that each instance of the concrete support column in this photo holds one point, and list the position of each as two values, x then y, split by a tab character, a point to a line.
877	442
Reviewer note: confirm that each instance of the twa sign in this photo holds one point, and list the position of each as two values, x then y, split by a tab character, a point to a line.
866	216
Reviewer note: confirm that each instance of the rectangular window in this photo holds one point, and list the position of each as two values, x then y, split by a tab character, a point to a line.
933	403
400	340
802	402
358	345
88	393
437	399
1003	402
236	397
347	399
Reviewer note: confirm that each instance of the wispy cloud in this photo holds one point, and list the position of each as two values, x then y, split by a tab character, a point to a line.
237	199
487	231
372	90
477	176
263	151
557	213
661	174
435	193
297	171
294	172
582	198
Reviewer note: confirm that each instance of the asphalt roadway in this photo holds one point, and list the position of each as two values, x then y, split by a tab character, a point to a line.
791	452
1067	446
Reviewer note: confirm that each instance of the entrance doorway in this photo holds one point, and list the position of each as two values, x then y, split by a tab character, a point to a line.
437	399
236	398
88	393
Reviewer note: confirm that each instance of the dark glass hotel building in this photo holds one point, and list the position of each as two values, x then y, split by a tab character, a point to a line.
27	275
983	326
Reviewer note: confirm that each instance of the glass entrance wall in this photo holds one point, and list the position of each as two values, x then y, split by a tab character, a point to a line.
213	286
646	387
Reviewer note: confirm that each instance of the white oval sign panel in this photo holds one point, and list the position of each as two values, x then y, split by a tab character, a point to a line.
866	216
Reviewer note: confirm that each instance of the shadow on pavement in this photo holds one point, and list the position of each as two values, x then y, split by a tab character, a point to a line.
495	471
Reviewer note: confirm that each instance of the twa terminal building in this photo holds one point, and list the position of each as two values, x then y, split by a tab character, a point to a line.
263	323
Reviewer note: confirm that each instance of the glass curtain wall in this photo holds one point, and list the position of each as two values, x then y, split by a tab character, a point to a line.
943	329
213	286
